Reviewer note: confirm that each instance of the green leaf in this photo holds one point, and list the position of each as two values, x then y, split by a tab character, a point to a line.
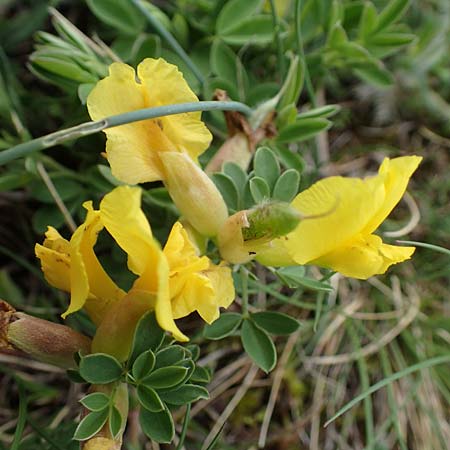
75	376
260	189
234	12
91	425
286	187
291	160
368	22
115	421
223	61
194	349
165	377
143	365
169	356
149	399
67	190
225	325
258	345
11	181
303	129
323	112
120	14
294	276
391	13
84	90
100	368
374	74
293	84
200	375
337	37
228	189
95	401
237	174
290	275
275	322
158	426
188	393
256	30
392	39
266	165
63	68
148	336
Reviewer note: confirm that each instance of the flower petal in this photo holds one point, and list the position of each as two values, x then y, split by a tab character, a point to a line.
396	173
124	219
165	85
347	205
88	279
132	148
122	216
195	283
364	257
55	259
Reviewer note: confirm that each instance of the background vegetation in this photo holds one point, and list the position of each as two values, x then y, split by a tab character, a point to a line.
372	79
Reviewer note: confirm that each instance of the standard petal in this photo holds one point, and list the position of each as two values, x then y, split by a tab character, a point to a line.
396	173
88	279
364	257
55	259
346	206
165	85
122	216
132	149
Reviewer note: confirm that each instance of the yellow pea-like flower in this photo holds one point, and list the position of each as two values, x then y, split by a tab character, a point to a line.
133	149
343	239
173	282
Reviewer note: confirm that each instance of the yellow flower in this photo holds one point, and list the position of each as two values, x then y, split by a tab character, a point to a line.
165	279
196	284
343	240
133	149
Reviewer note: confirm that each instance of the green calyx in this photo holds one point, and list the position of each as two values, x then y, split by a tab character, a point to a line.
271	220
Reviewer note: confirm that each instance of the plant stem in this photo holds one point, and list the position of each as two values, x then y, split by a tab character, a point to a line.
301	51
87	128
244	291
185	427
279	42
169	39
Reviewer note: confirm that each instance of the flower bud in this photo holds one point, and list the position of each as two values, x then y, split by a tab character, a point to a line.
43	340
194	193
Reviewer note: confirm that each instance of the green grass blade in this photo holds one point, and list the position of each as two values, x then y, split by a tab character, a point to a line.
396	376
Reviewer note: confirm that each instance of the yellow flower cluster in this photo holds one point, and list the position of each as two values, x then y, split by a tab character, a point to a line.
173	281
176	280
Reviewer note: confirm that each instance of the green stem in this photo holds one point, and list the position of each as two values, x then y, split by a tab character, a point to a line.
87	128
185	427
169	39
301	51
244	291
276	30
